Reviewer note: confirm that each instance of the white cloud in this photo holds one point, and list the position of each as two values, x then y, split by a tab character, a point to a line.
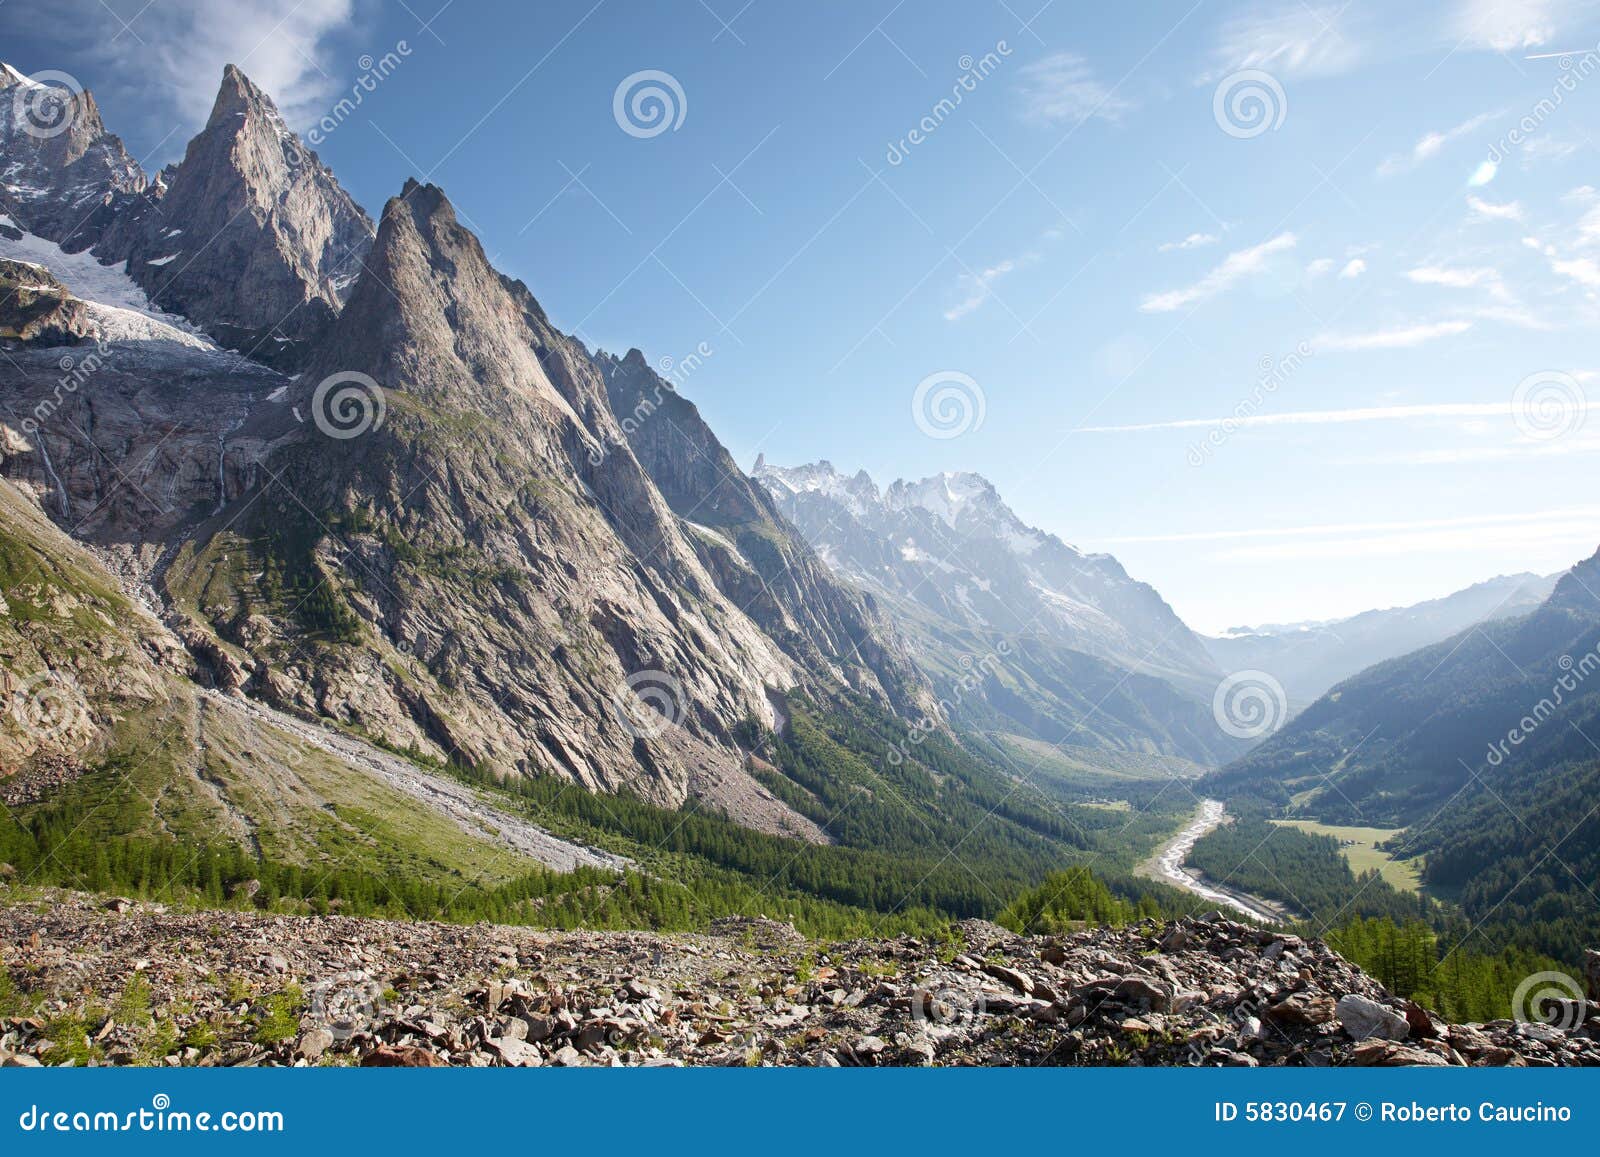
1063	87
1321	267
169	61
1353	269
1430	411
1483	174
1453	278
1303	41
979	286
1193	241
1584	270
1235	266
1509	25
1489	211
1404	337
1431	144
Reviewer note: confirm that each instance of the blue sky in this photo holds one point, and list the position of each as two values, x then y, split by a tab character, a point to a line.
1096	238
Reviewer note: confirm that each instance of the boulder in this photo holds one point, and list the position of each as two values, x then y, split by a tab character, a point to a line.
1366	1019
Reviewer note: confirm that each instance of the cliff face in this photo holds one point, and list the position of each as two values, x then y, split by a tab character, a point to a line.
759	560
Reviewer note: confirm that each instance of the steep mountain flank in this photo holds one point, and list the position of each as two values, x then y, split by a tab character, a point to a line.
1482	748
757	558
460	573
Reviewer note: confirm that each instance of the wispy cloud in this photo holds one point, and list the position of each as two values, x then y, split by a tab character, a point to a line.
1353	268
1304	41
1509	25
1483	174
1424	412
1454	277
1431	144
1063	88
1403	337
169	59
1241	264
1490	211
1582	515
1193	241
979	287
1584	270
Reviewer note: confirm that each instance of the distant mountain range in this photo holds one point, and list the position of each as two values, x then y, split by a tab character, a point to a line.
1087	656
1309	658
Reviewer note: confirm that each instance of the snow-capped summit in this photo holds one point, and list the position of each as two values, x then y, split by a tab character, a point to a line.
950	544
62	175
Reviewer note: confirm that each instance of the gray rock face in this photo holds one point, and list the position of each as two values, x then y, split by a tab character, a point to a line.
758	559
62	176
35	307
253	240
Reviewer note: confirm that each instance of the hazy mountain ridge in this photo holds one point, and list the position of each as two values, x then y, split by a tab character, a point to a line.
1310	658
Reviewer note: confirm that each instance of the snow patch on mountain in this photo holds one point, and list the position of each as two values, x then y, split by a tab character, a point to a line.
119	308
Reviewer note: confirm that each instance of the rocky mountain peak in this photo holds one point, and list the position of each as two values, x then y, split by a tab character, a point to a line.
254	239
61	172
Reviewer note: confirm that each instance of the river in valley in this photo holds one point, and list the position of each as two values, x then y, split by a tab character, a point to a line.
1168	866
